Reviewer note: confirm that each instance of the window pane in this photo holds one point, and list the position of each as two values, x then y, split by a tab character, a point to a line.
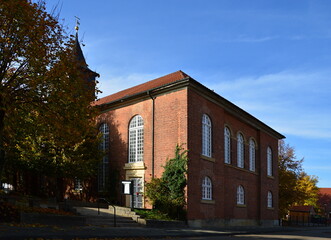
269	161
240	195
251	155
136	139
103	168
240	151
206	189
269	204
206	136
227	147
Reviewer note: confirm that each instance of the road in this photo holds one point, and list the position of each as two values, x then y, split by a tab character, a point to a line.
309	234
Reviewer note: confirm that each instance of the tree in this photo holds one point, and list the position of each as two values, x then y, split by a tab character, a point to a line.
46	120
174	175
306	187
168	192
295	186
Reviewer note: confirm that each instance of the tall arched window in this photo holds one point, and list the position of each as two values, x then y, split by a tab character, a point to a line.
103	171
207	192
240	150
269	200
240	195
206	136
227	145
269	161
252	148
136	139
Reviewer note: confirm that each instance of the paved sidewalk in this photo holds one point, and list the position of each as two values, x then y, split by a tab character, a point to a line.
17	232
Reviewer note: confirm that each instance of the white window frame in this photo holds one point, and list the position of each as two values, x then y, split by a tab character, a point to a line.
269	200
207	189
103	170
206	136
269	162
240	195
240	151
136	139
252	155
138	189
227	145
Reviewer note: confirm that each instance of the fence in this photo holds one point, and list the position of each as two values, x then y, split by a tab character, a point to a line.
308	221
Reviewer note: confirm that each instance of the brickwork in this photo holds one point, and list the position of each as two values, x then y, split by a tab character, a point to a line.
177	115
226	177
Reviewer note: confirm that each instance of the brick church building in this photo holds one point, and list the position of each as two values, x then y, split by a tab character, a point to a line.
232	170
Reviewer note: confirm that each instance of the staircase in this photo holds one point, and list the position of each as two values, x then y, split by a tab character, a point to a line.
105	218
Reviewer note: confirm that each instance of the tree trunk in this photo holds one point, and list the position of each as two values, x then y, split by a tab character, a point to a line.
2	136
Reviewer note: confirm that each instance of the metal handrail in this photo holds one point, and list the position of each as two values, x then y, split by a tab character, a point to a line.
103	199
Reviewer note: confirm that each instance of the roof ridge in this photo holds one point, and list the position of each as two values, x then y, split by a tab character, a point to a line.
151	84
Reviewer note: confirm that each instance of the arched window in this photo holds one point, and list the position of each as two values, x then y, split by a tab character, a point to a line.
136	139
206	136
269	200
240	195
207	193
240	150
227	145
252	148
103	171
269	161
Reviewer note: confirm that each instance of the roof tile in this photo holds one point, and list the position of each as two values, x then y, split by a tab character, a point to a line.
158	82
301	208
326	191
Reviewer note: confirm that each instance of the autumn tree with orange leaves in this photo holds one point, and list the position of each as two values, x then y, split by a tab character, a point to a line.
46	120
296	187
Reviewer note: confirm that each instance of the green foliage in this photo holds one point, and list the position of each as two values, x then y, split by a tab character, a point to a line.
152	214
157	191
295	186
174	175
308	190
46	119
168	192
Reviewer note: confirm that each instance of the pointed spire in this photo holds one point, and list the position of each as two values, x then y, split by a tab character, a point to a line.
77	24
88	74
78	51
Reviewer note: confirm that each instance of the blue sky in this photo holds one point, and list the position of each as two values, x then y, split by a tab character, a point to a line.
271	58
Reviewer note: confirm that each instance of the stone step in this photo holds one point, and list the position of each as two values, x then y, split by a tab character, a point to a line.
120	222
120	211
106	218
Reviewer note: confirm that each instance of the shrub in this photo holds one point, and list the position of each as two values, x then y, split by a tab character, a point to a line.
8	213
167	193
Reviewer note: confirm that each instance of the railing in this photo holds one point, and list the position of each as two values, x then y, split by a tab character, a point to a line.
104	200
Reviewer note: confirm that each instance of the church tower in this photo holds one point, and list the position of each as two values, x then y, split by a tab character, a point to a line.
88	75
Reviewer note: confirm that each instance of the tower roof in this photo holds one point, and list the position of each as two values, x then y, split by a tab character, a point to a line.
79	53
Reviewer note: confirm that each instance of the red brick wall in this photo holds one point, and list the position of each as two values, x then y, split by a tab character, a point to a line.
225	177
178	118
170	128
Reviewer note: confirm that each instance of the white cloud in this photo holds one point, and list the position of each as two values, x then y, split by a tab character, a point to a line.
254	39
112	83
295	103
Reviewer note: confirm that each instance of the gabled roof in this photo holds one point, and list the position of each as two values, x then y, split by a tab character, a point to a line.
301	208
326	191
175	81
167	79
